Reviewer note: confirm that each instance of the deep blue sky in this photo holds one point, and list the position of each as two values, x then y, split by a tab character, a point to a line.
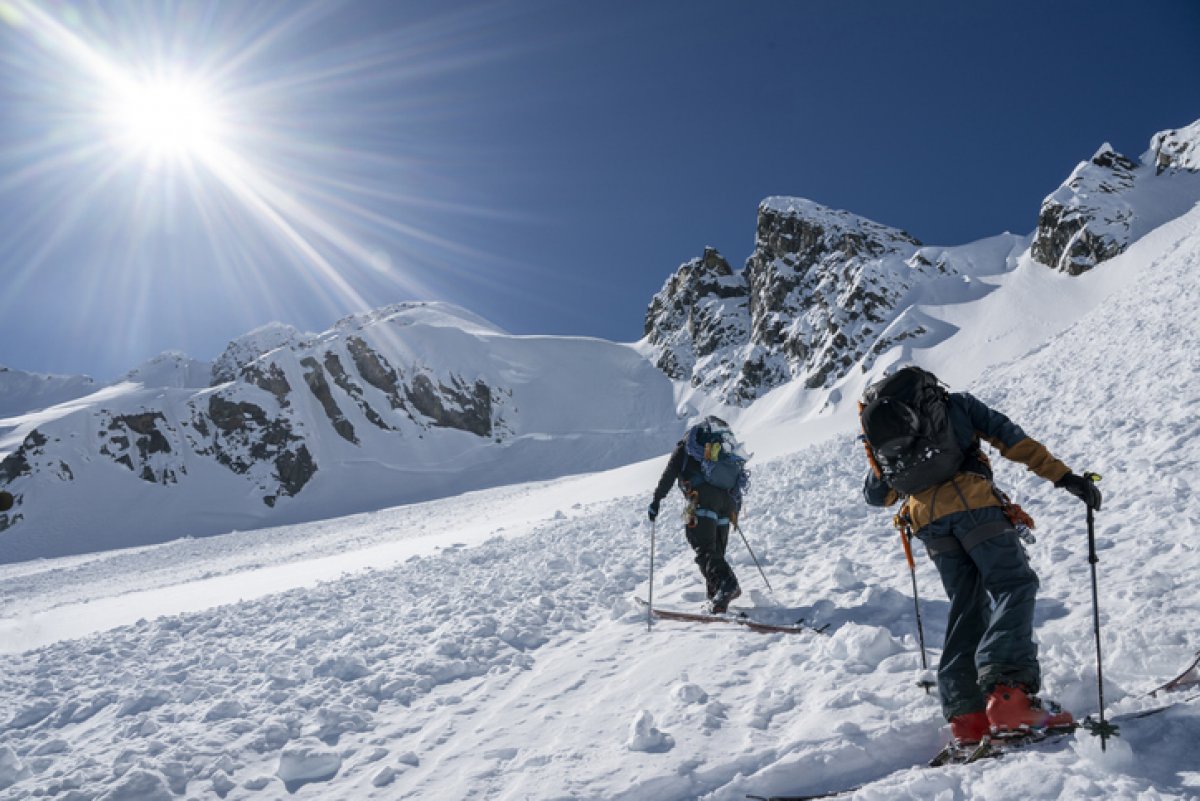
545	164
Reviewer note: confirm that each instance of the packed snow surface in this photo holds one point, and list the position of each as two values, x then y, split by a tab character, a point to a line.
489	646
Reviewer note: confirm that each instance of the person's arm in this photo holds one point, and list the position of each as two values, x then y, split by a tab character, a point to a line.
669	476
877	492
1008	438
671	473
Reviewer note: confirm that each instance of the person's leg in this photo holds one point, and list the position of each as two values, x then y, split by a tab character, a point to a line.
703	538
958	682
711	535
1007	652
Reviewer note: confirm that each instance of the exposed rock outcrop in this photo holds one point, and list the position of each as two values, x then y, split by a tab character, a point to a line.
1095	214
819	287
1087	220
1176	149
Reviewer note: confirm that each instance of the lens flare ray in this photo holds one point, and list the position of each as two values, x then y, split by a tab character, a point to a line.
176	133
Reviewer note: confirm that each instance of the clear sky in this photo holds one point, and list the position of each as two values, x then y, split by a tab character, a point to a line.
174	174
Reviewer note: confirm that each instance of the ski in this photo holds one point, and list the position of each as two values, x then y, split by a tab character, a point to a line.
988	748
1190	677
993	747
740	617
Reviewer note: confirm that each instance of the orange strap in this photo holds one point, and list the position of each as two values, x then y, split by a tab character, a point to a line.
867	445
904	526
907	550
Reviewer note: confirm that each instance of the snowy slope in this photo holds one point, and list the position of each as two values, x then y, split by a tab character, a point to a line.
517	666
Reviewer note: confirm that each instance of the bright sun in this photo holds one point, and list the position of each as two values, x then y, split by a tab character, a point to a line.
164	120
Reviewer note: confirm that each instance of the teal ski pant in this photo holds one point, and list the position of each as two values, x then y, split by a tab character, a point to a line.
992	591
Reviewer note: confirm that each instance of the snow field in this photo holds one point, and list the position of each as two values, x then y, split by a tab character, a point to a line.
521	669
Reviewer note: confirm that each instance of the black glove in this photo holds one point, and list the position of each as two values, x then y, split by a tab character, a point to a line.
1082	488
6	501
652	510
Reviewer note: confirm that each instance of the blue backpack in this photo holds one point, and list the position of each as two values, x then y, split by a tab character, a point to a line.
720	456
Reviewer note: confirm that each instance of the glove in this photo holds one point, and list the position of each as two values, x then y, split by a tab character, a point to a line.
652	510
1082	488
6	501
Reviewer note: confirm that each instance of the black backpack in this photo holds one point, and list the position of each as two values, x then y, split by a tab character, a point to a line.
906	422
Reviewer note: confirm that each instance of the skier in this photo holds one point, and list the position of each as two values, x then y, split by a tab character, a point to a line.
708	465
988	675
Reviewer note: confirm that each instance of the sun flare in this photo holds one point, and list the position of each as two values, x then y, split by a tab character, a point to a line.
163	119
220	152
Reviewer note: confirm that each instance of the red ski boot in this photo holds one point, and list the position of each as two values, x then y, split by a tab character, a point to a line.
969	729
1012	709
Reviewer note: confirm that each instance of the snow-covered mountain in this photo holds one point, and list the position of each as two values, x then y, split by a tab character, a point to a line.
400	404
22	392
825	291
489	645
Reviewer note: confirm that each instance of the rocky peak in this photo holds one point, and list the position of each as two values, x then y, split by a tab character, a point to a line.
819	286
1092	218
803	233
245	349
1087	220
697	311
1176	149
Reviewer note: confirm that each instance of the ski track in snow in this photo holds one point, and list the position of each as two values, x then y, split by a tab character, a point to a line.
520	667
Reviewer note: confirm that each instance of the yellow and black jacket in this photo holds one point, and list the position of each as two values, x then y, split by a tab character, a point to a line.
971	488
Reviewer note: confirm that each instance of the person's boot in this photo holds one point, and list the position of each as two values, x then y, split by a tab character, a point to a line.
969	729
726	593
1011	709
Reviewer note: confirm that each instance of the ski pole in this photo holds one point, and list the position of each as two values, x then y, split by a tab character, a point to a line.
650	606
912	569
755	558
1103	729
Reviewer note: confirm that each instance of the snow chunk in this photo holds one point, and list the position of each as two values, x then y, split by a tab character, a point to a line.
346	668
307	761
143	703
32	714
139	785
222	784
12	770
688	693
643	736
862	646
384	777
225	710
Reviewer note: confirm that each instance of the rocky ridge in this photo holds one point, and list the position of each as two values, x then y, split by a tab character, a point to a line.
826	290
1093	216
819	289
